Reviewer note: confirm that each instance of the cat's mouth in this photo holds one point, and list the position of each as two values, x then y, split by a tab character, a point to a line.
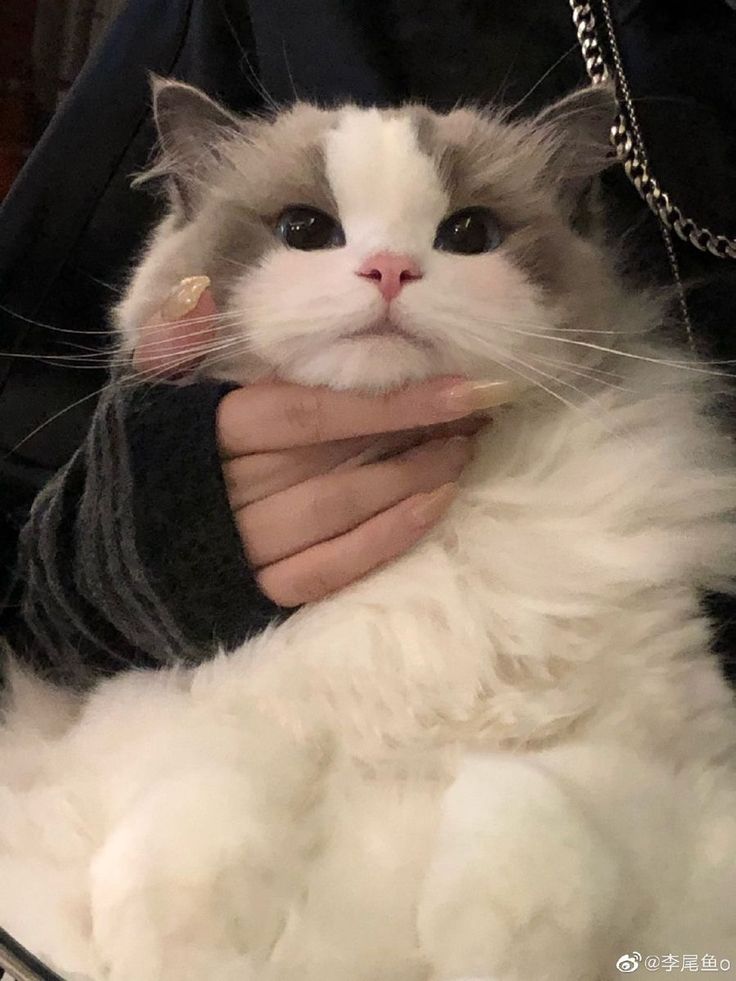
386	327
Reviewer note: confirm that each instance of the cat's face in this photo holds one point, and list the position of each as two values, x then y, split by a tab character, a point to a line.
364	248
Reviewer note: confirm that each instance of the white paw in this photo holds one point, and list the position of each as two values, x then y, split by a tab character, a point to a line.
513	858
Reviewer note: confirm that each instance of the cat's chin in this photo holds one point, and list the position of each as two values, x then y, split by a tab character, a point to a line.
370	364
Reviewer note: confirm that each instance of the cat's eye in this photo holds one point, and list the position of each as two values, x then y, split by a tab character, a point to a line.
307	229
469	232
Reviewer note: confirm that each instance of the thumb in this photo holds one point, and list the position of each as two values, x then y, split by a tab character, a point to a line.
180	333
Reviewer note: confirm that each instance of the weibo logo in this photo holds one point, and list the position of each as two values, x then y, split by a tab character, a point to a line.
628	963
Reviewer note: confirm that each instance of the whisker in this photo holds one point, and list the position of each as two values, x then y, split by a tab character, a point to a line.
58	415
685	365
584	372
255	80
210	318
575	364
149	376
515	108
110	331
575	407
59	330
112	357
512	366
585	330
101	282
185	357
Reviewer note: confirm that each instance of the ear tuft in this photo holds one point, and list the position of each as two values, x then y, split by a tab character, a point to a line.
190	126
184	115
579	127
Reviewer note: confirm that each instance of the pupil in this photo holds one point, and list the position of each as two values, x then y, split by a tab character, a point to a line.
469	232
307	229
301	228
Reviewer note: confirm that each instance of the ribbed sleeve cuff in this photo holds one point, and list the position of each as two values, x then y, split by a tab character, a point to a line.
185	531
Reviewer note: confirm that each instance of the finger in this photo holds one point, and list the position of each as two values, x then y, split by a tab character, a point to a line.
179	334
259	475
323	569
277	416
331	504
255	476
388	446
383	447
467	426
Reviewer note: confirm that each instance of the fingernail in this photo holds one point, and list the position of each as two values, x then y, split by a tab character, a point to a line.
466	397
184	297
429	507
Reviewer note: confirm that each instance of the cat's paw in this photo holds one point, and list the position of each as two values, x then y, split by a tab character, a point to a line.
515	859
200	866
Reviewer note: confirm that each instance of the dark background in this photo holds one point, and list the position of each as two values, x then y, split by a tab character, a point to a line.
43	45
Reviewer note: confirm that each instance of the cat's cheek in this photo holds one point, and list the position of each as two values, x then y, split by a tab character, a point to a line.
304	274
307	276
487	278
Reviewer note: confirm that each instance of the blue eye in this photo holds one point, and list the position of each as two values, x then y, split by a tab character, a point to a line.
308	229
469	232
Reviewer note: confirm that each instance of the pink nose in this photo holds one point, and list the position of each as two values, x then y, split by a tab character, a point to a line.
390	271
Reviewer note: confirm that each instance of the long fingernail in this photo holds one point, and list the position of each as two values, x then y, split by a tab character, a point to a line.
184	297
466	397
429	507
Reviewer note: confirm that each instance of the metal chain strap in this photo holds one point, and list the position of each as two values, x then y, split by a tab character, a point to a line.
584	22
628	144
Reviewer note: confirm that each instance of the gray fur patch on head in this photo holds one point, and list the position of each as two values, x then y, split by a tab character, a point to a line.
282	162
520	169
230	178
535	175
257	166
210	152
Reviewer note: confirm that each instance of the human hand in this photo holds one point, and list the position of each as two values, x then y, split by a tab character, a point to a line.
326	486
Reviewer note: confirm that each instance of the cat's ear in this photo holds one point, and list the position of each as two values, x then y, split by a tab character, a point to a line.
578	127
191	127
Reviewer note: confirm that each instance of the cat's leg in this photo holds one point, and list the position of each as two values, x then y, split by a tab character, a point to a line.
197	880
525	882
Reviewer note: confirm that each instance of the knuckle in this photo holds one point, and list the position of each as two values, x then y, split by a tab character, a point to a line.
225	420
331	505
238	481
229	475
304	414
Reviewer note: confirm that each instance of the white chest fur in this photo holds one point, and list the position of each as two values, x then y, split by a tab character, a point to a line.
295	790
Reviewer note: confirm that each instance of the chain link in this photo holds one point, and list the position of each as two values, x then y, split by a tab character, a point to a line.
628	144
584	22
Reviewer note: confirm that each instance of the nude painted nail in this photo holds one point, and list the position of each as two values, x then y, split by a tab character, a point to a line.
429	507
184	297
470	396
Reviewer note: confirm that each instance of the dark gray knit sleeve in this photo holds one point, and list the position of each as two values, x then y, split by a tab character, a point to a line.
131	556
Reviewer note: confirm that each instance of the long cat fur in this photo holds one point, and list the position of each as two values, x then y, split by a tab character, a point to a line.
508	755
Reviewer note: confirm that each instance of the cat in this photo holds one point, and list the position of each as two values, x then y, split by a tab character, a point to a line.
507	756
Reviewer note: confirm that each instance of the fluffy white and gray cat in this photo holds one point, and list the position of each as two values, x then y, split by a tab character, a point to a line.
509	755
